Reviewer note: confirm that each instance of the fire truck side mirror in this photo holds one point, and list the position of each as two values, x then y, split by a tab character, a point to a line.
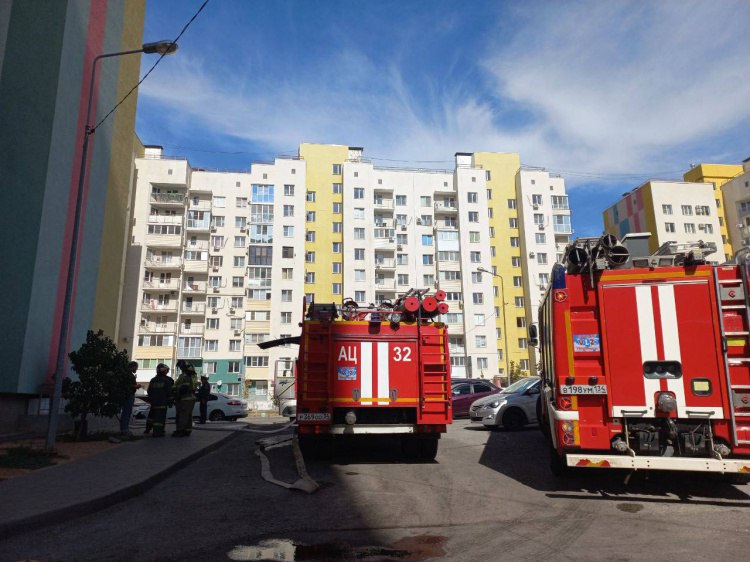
533	336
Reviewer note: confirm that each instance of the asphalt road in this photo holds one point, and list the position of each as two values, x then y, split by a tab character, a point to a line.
489	496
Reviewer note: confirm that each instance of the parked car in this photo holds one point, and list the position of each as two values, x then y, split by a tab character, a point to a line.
511	408
220	407
140	407
466	391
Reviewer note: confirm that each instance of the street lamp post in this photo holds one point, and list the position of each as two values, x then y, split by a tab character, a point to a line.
159	47
505	325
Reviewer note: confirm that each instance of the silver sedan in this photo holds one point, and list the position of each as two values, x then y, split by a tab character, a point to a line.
512	408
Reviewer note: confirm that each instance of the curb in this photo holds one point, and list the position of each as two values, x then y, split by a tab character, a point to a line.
36	522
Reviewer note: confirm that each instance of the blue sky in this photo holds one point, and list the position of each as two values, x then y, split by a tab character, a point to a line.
609	94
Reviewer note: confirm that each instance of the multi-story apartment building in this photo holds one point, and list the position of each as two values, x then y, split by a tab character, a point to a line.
670	211
718	175
736	196
221	261
545	229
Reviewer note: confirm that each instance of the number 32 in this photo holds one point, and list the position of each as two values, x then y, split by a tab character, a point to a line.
402	353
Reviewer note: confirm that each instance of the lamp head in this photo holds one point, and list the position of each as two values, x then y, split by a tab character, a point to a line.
164	47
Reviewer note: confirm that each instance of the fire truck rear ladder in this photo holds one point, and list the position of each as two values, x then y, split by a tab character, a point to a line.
730	304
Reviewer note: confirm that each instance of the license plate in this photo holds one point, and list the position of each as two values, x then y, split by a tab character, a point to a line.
314	417
583	389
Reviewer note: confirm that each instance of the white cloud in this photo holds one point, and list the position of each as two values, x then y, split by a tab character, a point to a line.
609	88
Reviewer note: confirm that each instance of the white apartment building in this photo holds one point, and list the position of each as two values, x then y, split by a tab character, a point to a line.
736	194
545	230
672	211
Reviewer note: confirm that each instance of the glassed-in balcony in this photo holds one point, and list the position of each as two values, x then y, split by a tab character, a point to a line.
168	199
156	285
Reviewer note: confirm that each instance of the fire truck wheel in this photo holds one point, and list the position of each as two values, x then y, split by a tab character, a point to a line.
557	463
514	419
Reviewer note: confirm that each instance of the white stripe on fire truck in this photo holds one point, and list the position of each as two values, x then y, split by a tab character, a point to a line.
647	334
671	337
366	379
383	372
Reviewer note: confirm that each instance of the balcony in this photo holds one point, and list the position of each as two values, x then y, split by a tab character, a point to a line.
383	204
385	263
197	308
563	229
196	266
443	207
188	353
194	287
163	262
157	285
168	199
191	330
157	327
385	285
165	219
202	205
163	240
156	306
197	225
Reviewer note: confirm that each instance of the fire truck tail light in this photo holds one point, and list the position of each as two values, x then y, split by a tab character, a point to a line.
560	296
567	426
565	403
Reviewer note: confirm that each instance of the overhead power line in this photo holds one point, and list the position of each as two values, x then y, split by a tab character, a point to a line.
150	70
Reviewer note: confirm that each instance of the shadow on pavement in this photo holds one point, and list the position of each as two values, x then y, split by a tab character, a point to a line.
525	455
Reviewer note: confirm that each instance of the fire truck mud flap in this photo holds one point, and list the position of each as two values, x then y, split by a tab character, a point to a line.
729	466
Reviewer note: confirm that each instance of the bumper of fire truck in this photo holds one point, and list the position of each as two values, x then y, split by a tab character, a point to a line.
370	429
583	460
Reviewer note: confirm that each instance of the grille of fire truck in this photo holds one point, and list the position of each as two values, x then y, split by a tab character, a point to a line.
734	322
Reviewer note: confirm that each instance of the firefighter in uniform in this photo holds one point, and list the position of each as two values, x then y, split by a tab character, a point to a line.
184	398
160	395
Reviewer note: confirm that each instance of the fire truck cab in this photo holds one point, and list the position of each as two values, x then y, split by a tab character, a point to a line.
645	361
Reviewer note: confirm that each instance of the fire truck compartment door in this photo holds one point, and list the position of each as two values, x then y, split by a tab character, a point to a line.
662	323
376	373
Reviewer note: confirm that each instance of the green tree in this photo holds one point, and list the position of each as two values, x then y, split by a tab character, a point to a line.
103	380
515	372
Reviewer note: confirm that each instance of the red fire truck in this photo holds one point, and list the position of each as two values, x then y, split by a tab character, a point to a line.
645	361
374	370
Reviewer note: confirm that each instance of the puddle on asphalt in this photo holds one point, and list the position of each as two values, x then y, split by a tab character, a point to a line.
629	507
411	549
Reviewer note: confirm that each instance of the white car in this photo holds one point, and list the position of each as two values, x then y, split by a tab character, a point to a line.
511	408
220	407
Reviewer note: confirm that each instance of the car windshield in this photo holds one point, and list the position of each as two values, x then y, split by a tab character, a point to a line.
520	386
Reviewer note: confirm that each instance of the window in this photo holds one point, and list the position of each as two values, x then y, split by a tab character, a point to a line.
511	203
513	223
702	210
474	236
256	361
453	296
259	315
707	228
310	196
217	220
286	317
336	170
220	202
336	247
524	364
473	216
480	341
236	323
310	257
337	208
359	233
359	213
687	210
540	238
543	279
428	259
425	201
482	364
479	320
310	236
515	242
541	258
476	257
359	192
519	302
403	279
240	222
428	279
560	202
426	220
472	197
359	254
236	302
233	367
288	231
309	277
490	212
517	281
666	209
520	322
476	276
234	345
288	190
338	226
214	281
310	216
359	296
336	267
211	345
689	228
336	288
402	259
536	199
402	239
523	343
337	188
286	252
477	298
286	295
238	282
240	202
400	200
239	241
212	323
360	275
427	240
669	226
288	210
